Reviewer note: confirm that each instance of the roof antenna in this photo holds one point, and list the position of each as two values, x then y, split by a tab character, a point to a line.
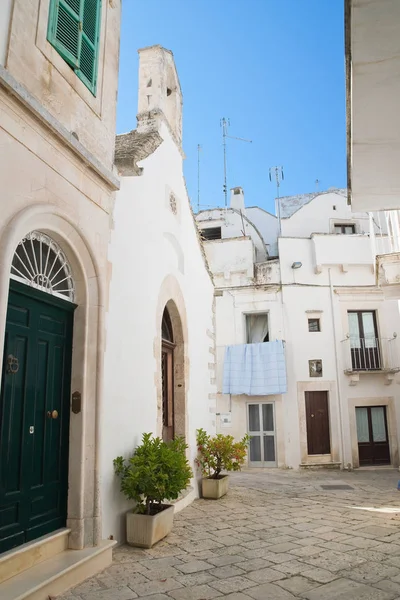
317	182
224	124
277	173
198	177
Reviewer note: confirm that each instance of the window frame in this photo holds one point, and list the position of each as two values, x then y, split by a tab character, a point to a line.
208	229
263	313
318	320
342	227
68	57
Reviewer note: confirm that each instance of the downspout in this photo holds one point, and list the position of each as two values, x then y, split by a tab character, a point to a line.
337	370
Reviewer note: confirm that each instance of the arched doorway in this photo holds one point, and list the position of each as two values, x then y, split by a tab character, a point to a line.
167	372
35	393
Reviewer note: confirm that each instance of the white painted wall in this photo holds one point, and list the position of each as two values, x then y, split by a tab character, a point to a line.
149	244
320	215
267	225
5	17
291	297
374	98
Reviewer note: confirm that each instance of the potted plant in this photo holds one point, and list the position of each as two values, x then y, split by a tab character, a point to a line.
217	454
156	472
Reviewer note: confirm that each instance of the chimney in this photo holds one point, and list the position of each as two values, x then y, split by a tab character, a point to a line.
237	199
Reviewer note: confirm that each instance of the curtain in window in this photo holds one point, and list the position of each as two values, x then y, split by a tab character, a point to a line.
378	423
354	330
369	329
257	328
362	424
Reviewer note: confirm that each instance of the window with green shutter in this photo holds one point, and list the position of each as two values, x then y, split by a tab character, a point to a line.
74	27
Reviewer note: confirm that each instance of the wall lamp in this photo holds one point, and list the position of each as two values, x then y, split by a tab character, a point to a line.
297	265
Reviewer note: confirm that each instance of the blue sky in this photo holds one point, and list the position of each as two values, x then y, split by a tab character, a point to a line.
274	67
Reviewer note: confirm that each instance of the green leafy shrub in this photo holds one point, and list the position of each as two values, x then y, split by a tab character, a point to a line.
220	453
157	471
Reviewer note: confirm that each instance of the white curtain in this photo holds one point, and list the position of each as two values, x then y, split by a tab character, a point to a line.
257	328
362	424
369	329
378	423
354	330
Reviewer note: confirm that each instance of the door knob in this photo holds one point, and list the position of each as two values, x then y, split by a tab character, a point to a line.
52	414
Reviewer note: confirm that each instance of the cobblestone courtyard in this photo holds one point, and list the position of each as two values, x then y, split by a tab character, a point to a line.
276	535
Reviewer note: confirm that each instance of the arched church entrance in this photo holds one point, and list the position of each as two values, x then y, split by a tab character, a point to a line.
35	393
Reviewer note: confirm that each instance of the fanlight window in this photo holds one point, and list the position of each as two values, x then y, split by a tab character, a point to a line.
39	262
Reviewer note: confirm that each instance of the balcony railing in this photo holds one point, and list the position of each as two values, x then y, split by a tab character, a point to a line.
370	354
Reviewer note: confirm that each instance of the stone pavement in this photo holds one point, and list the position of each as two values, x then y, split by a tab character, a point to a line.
277	535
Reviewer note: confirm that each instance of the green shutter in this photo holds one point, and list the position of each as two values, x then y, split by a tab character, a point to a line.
74	27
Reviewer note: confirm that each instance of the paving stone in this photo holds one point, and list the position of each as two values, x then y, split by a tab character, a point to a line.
156	563
90	585
121	593
254	544
346	589
388	586
377	530
285	547
319	575
114	581
392	549
254	564
194	566
197	592
226	571
195	578
270	591
152	587
292	567
306	551
333	561
221	561
265	575
371	572
297	584
235	596
232	584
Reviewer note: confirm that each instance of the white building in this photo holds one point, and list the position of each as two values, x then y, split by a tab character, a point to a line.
339	332
160	354
373	136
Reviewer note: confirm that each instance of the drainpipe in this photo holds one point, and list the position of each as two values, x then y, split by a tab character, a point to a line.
337	369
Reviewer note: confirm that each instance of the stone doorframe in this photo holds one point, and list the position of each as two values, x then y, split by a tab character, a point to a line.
84	511
391	425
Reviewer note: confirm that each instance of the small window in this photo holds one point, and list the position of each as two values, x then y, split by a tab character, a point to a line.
73	30
257	331
314	325
315	367
211	233
345	228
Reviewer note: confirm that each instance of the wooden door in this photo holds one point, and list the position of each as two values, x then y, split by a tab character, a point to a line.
372	435
34	416
317	421
167	366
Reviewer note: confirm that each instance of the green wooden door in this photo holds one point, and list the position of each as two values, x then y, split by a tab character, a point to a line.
34	416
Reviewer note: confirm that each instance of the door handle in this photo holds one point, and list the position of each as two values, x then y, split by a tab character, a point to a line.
52	414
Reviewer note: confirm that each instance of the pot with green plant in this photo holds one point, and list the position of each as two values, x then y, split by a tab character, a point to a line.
217	454
156	472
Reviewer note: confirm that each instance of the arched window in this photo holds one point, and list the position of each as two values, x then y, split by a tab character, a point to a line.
39	262
167	367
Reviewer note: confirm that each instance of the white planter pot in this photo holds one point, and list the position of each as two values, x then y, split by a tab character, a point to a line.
144	531
215	488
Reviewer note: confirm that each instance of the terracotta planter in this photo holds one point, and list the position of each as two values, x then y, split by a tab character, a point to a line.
215	488
144	531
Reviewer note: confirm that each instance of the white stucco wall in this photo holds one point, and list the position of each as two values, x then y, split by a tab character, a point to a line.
155	256
267	225
320	214
374	98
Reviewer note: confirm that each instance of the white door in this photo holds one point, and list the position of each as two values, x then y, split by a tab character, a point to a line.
261	429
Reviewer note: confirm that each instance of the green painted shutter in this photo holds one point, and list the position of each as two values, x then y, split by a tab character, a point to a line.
74	27
64	29
90	43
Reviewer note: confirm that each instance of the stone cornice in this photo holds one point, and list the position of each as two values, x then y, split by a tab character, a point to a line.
132	147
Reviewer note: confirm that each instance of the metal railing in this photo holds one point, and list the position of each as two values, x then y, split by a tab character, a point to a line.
370	354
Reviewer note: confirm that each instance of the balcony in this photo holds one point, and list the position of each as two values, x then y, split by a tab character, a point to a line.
370	355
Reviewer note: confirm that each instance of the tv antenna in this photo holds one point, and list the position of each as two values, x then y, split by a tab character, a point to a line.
277	174
224	123
199	148
317	182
